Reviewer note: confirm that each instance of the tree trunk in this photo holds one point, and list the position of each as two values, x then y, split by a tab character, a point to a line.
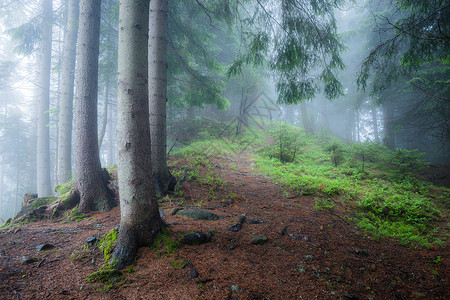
90	184
388	117
105	113
375	124
140	221
43	136
111	155
157	84
305	120
64	172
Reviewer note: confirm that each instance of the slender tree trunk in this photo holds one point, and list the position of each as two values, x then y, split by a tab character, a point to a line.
157	82
140	221
375	124
64	171
90	184
111	155
357	125
305	119
43	135
388	117
105	113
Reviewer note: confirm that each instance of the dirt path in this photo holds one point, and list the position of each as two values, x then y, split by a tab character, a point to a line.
309	253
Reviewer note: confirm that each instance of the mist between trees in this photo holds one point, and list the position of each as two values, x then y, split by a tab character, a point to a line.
72	73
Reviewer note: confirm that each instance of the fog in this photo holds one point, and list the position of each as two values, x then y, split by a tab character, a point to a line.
384	99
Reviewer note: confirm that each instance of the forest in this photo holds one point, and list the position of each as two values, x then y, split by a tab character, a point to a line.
235	149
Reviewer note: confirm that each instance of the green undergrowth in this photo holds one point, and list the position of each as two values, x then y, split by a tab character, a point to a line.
165	243
381	190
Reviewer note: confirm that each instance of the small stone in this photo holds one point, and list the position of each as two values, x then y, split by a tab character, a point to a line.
231	246
43	247
359	252
195	238
284	230
193	273
234	227
91	240
255	221
198	214
259	240
17	230
242	219
28	260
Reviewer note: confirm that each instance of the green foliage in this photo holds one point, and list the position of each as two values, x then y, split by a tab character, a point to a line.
337	152
383	190
75	216
80	253
407	163
288	142
165	243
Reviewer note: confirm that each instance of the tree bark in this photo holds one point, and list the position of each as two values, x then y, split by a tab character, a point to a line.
64	171
305	120
375	124
105	113
157	58
43	135
388	118
90	184
140	221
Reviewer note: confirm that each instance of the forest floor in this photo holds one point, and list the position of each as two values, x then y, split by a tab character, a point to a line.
309	253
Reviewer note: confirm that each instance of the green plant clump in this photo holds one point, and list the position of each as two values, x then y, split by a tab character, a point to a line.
165	243
107	244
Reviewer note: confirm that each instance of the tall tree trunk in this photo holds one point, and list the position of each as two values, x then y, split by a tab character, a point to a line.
305	119
375	124
105	113
157	84
64	171
111	155
43	135
90	184
140	221
388	120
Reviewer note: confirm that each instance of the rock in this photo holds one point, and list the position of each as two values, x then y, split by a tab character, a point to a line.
242	219
259	239
198	214
255	221
28	260
175	210
43	247
196	238
231	246
358	252
17	230
235	227
298	237
193	273
91	240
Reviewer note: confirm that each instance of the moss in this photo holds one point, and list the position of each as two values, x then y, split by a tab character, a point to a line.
7	223
106	274
165	243
39	202
107	244
75	216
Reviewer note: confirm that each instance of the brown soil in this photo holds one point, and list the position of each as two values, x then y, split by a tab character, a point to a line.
321	256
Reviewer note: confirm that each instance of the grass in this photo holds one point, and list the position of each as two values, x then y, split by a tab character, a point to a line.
381	188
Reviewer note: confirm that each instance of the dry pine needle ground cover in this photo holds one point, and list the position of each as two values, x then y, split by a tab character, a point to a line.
309	254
